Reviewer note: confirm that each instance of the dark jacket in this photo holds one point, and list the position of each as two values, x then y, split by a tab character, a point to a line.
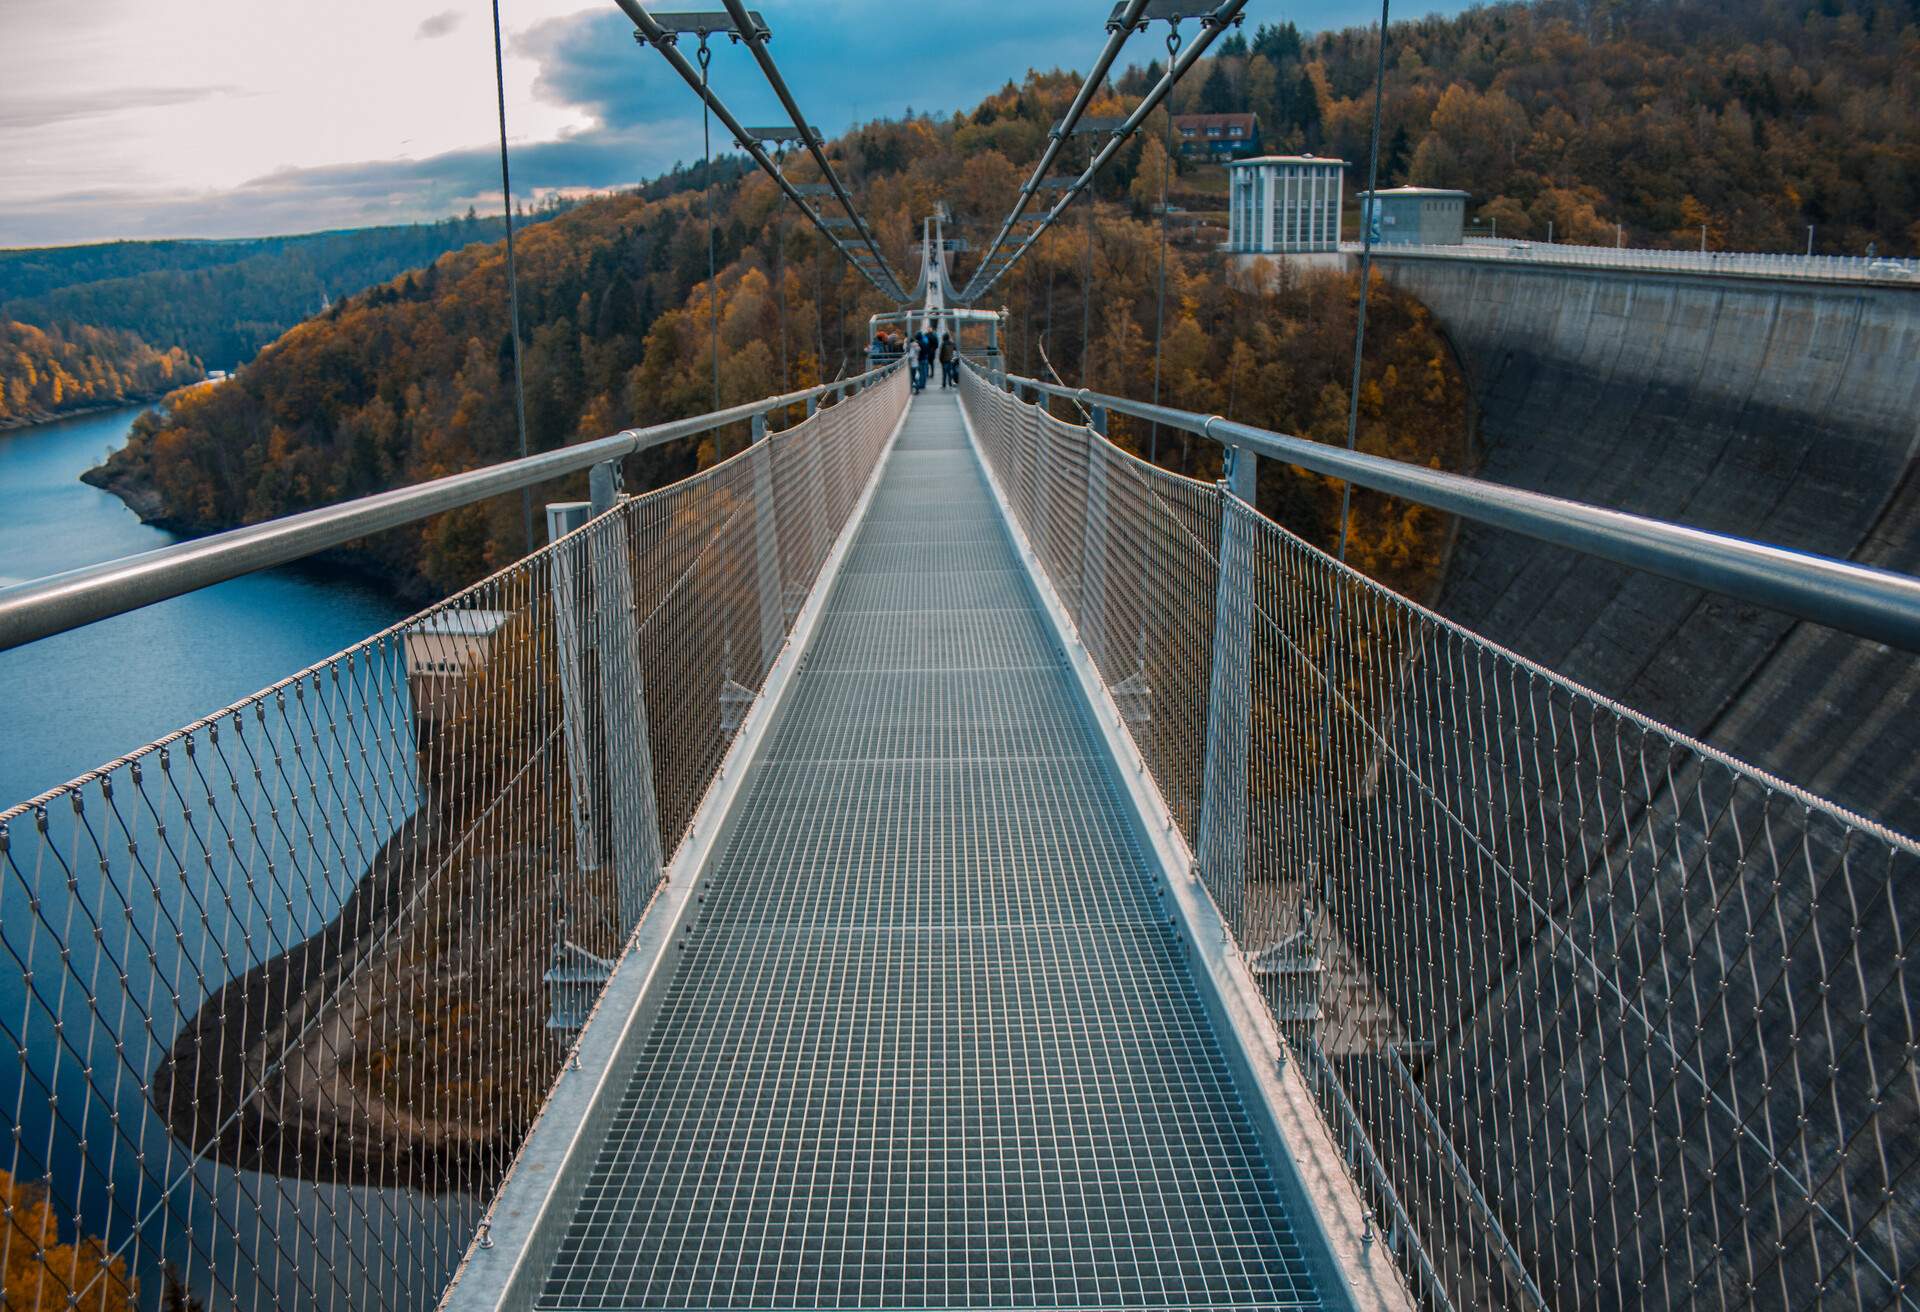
947	350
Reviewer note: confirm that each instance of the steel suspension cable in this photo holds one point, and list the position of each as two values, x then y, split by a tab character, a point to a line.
756	42
1212	25
1324	783
1117	33
513	281
648	31
780	275
1366	270
1086	299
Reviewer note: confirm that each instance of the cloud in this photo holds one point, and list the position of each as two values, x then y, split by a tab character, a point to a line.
357	194
644	120
42	111
640	117
589	61
438	25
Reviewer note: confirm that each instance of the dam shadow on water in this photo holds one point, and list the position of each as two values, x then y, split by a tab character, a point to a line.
176	884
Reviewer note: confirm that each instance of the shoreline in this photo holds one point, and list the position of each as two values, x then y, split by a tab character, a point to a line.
145	502
79	412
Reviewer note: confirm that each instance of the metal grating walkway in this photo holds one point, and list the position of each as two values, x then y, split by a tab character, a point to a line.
932	1042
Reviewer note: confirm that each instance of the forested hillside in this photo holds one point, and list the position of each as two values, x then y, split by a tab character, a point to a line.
1646	112
47	373
1756	118
413	379
219	300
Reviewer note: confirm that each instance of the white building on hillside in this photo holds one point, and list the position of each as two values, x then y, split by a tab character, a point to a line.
1409	216
1285	203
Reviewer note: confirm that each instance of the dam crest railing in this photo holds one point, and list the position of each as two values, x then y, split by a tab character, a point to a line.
1870	269
1597	1015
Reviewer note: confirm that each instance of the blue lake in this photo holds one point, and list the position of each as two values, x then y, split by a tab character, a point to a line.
117	924
74	701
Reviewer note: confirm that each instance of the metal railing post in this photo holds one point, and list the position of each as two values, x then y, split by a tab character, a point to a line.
1221	852
603	484
816	511
633	813
565	577
1242	474
612	805
1093	557
766	548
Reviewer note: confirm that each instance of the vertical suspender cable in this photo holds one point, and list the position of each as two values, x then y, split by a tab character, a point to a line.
713	280
1331	661
780	275
513	281
1086	299
1160	305
1366	271
1211	26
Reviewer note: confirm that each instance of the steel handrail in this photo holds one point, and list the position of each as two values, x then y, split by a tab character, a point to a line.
43	607
1873	603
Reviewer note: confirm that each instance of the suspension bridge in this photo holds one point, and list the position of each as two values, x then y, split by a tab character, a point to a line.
934	858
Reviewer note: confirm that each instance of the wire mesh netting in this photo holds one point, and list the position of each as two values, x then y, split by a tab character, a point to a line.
1599	1016
927	1038
288	987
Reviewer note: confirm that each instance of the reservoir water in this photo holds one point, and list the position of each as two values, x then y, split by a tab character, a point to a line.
178	912
74	701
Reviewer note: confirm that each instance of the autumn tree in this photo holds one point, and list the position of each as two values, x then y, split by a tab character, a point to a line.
1150	182
48	371
43	1271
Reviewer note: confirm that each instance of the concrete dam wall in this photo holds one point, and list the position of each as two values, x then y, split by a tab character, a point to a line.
1716	910
1781	410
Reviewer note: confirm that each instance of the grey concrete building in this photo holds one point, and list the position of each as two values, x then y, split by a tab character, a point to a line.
1410	216
1285	203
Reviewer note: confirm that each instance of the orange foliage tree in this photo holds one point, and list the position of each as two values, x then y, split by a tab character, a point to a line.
43	1272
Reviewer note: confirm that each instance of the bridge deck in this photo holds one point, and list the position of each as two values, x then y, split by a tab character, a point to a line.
933	1042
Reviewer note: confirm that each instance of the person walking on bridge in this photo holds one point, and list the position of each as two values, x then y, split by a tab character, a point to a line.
929	347
949	361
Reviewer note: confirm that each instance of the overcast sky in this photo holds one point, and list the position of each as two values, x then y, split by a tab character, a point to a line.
215	118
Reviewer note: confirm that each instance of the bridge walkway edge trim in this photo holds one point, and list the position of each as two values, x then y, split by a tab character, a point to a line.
506	1265
1351	1262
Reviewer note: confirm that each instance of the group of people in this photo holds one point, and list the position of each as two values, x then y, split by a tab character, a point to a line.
926	349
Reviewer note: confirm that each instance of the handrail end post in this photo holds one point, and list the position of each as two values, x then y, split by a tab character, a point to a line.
603	486
1240	470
